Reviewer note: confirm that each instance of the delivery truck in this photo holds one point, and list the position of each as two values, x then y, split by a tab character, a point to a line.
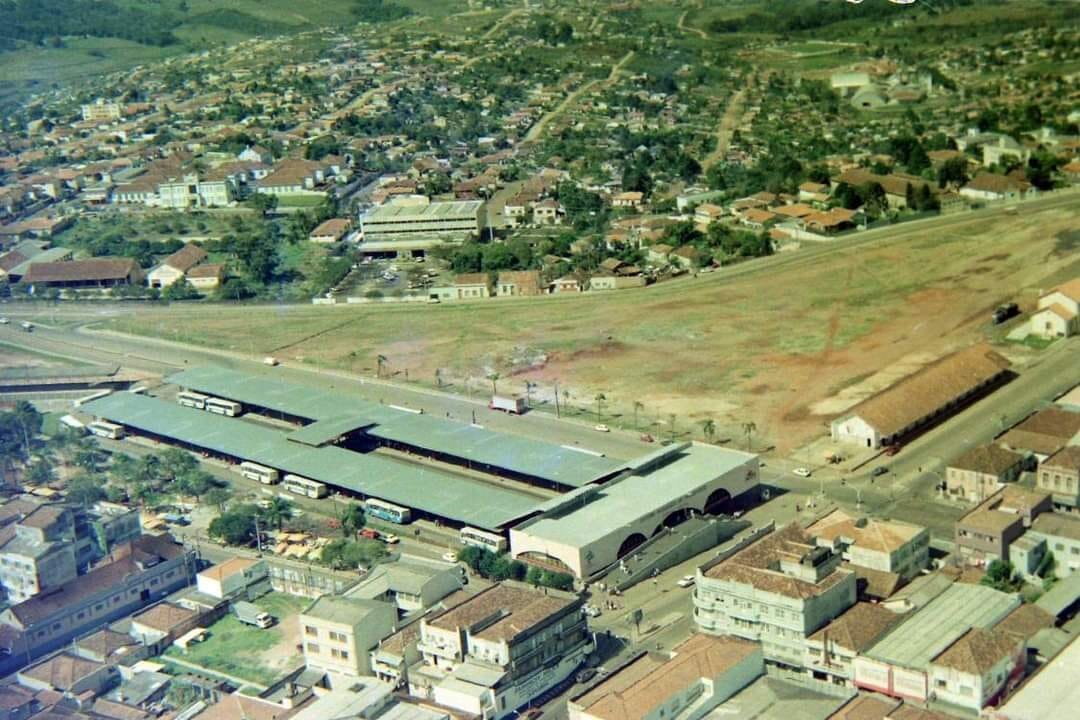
508	403
250	614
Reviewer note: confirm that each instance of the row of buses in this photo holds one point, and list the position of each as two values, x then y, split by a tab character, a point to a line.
380	509
218	406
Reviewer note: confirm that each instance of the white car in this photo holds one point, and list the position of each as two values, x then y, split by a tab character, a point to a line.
450	556
602	428
687	581
4	321
391	539
801	472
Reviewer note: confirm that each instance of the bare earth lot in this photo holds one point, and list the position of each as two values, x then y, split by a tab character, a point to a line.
773	347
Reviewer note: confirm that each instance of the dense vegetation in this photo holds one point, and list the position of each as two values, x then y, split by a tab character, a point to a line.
42	21
798	15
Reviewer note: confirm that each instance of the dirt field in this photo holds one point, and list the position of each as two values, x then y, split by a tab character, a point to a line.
772	347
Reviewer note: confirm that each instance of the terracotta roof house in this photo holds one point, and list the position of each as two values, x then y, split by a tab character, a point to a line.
831	650
988	186
330	231
173	268
973	671
519	283
1043	433
982	471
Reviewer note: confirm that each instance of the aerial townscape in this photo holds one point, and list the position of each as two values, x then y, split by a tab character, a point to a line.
539	359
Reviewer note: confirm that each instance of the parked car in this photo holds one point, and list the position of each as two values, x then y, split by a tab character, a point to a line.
892	450
801	472
687	581
4	321
602	428
879	470
450	556
590	610
1004	312
391	539
585	675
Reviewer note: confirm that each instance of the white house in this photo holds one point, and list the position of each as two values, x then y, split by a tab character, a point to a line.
173	268
237	577
972	672
1059	312
988	186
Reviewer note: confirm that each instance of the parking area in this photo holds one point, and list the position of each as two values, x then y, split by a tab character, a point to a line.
375	278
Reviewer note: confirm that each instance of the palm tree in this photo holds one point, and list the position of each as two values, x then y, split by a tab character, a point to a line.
708	428
638	406
380	363
600	398
494	378
671	422
277	511
748	428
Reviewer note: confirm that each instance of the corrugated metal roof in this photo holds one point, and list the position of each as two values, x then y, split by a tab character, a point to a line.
433	491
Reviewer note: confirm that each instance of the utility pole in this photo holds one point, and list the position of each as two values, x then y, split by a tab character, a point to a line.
558	412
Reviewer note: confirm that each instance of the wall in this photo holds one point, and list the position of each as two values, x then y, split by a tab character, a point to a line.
855	430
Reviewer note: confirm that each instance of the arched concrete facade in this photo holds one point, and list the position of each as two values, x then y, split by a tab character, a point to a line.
593	533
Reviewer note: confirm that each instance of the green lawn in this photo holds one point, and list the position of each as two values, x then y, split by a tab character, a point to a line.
234	648
304	201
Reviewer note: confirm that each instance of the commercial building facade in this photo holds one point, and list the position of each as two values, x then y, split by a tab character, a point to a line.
884	545
984	534
339	633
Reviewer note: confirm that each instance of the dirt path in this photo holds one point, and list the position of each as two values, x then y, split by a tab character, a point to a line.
501	21
537	130
724	130
694	31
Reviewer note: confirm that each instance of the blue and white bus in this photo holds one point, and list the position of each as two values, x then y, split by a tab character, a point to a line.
388	511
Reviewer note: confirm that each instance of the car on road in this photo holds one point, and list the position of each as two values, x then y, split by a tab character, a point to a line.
390	539
601	428
26	325
879	471
450	556
892	450
590	611
4	321
687	581
801	472
531	714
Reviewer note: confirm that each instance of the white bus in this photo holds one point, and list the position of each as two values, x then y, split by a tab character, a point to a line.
223	407
481	538
192	399
254	471
106	429
303	486
388	511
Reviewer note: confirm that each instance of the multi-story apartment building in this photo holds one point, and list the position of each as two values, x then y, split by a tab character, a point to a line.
339	633
1061	535
140	573
40	555
1059	475
884	545
504	646
831	651
777	590
985	533
191	191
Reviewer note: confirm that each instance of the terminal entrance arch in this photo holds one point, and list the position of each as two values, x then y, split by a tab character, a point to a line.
717	501
631	544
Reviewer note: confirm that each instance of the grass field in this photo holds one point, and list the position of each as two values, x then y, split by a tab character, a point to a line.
764	346
249	652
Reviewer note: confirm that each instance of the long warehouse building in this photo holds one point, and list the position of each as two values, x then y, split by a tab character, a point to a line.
430	491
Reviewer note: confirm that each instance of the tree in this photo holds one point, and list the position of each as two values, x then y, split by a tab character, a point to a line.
89	457
953	172
1002	576
352	519
174	462
218	497
342	554
195	483
494	378
600	398
235	526
263	202
277	511
85	490
749	428
181	290
29	421
708	428
41	472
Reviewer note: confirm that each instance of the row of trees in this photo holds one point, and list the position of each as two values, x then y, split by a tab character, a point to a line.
242	524
499	566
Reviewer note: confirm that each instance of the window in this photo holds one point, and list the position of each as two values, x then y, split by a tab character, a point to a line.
313	648
338	637
341	654
311	631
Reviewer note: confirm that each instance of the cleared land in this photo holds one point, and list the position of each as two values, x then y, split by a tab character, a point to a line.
254	654
763	345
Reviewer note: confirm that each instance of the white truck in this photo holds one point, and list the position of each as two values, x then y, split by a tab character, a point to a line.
508	403
250	614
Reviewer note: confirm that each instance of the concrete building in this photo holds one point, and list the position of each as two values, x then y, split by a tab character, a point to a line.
1059	475
206	276
237	578
982	471
520	283
900	663
40	555
71	675
697	676
404	219
587	530
339	633
991	187
1061	534
411	584
501	648
922	398
973	671
1052	689
985	533
100	111
778	591
173	268
884	545
831	651
1058	313
140	573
